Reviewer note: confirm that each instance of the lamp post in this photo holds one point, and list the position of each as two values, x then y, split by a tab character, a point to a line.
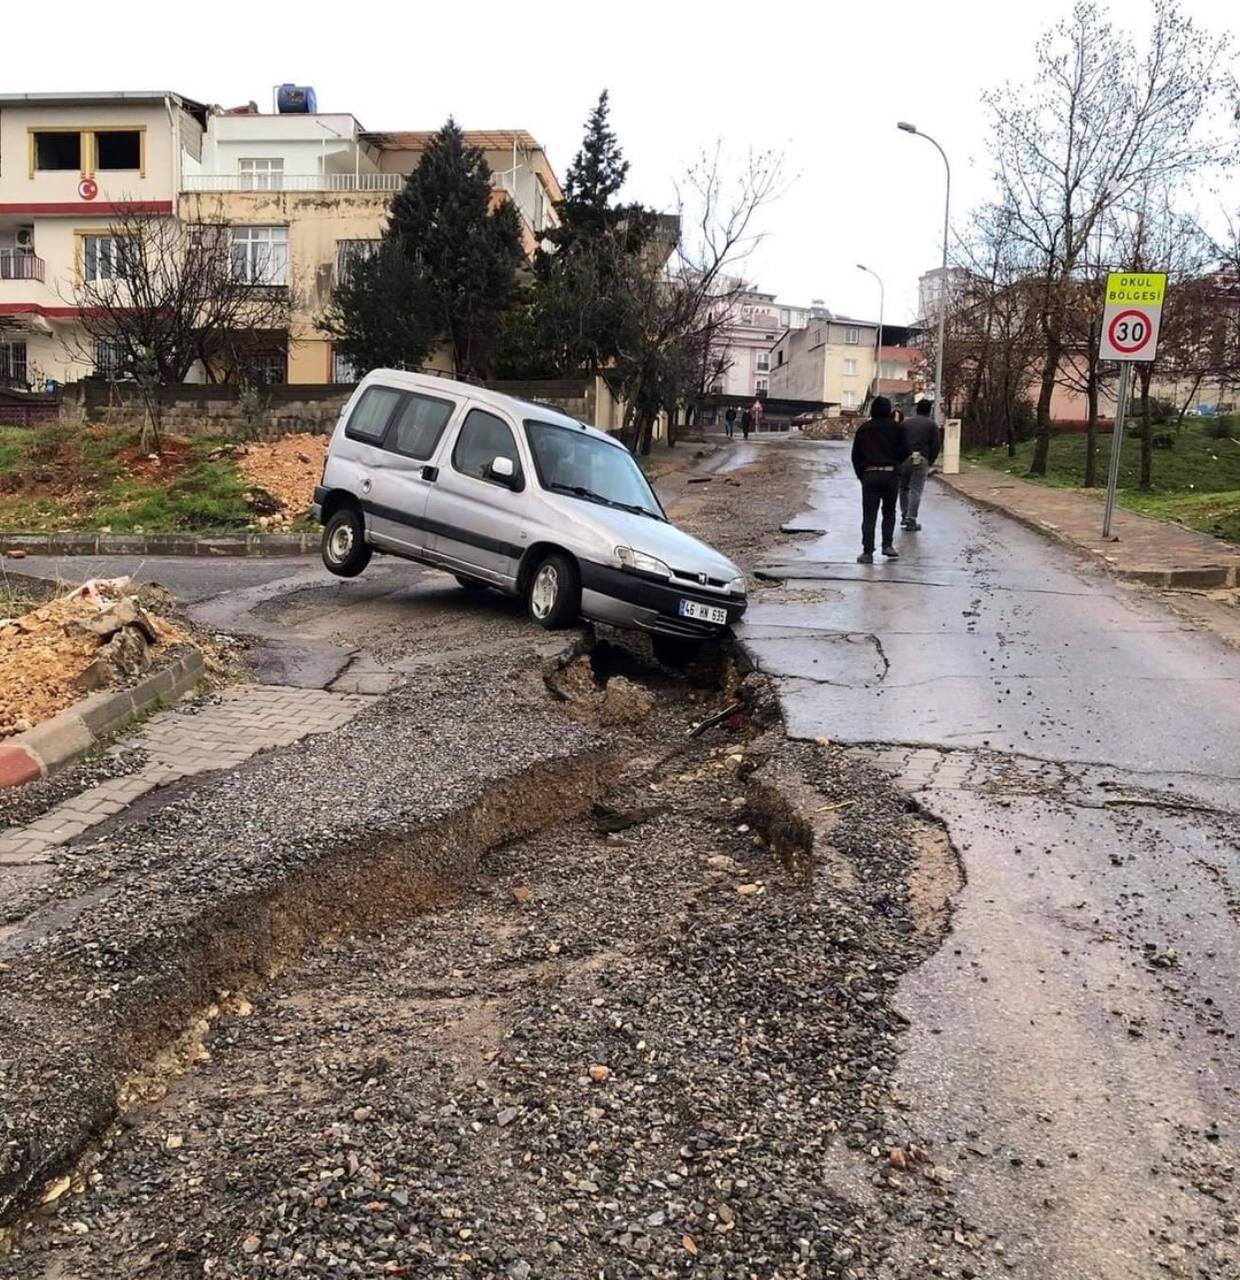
878	351
947	204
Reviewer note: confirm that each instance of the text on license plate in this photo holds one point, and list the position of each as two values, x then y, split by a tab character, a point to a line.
703	612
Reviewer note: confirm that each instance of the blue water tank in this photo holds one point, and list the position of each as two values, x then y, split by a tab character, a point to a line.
296	99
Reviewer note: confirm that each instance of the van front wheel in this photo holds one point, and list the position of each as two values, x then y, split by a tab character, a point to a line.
344	548
554	595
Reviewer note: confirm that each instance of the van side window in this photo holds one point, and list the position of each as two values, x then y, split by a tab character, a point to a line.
483	438
370	415
418	424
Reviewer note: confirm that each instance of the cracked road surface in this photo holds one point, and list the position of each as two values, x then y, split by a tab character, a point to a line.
1072	1053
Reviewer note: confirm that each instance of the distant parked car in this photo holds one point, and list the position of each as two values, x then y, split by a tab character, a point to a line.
522	498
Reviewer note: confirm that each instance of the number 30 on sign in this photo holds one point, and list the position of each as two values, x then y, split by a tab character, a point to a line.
1133	309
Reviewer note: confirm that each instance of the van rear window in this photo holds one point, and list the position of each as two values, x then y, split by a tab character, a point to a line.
418	425
370	415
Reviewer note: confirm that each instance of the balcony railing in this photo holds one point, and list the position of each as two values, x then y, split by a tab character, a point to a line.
293	182
16	264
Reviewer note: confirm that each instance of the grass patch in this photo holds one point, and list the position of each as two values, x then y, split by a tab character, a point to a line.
1196	482
55	478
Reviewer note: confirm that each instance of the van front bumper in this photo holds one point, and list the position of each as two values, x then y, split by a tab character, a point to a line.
651	604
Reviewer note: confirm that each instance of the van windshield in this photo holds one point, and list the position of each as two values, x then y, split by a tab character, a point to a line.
574	462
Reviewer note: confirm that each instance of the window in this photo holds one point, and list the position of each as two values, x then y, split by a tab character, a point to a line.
369	419
118	149
260	255
852	336
56	149
350	252
850	368
784	318
779	358
262	173
764	361
540	206
105	258
343	369
575	462
418	424
483	438
848	399
13	363
264	368
110	360
761	384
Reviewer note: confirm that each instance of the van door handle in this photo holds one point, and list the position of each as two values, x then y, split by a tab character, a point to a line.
430	473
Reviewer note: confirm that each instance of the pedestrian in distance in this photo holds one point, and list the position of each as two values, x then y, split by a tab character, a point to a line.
877	454
746	423
757	410
897	416
729	422
921	436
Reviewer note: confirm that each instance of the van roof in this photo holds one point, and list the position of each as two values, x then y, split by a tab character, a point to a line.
432	384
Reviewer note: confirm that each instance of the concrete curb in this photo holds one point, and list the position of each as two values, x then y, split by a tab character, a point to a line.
65	737
161	544
1198	577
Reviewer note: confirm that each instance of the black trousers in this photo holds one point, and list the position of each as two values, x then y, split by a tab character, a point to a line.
878	488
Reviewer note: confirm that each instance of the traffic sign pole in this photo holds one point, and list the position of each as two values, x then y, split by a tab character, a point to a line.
1117	445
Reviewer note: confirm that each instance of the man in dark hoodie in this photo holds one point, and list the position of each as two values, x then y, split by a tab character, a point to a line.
878	450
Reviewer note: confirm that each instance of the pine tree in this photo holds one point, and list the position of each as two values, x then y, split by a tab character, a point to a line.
596	175
467	253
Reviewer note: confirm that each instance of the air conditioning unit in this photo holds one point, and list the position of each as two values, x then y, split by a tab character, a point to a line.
25	237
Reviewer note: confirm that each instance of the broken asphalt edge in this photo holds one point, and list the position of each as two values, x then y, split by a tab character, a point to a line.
160	544
73	732
249	935
1197	577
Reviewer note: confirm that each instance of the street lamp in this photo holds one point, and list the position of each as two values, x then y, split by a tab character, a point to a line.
878	353
947	204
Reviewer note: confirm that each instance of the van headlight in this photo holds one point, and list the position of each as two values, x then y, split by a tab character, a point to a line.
640	562
737	585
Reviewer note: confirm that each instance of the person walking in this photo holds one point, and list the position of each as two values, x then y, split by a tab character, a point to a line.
746	423
921	436
757	410
877	454
729	421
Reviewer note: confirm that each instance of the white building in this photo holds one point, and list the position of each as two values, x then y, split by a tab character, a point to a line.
753	323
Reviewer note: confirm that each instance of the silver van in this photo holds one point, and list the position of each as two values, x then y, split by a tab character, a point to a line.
521	498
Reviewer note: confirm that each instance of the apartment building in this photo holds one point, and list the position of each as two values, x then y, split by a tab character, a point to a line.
752	322
831	360
70	163
303	193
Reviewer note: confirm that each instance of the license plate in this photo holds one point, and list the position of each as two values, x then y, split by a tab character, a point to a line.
703	612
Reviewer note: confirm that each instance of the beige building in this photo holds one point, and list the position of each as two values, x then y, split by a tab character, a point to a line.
303	193
830	361
70	163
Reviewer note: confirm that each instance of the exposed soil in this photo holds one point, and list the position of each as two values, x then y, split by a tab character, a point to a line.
287	468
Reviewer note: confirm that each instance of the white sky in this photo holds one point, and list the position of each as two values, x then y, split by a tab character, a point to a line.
823	82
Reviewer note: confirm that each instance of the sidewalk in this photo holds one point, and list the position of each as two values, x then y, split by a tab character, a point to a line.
1143	550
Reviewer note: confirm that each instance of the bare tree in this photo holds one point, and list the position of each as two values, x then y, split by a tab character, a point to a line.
678	311
1098	121
157	295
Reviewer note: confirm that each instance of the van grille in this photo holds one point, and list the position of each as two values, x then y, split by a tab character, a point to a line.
685	576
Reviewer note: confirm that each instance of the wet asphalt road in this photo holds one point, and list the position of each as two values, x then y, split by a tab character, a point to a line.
1072	1054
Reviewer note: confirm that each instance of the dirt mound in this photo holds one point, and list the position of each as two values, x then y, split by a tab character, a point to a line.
829	429
287	469
97	636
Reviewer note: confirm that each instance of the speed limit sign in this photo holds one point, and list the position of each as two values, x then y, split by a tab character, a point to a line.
1133	309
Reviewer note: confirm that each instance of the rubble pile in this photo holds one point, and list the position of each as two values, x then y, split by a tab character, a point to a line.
829	429
95	637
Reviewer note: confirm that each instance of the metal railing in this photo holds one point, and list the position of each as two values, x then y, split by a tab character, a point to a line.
17	264
276	182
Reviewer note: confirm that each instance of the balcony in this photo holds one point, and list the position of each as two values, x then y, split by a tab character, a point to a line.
276	182
17	264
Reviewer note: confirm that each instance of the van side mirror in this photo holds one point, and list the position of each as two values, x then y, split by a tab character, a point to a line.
504	471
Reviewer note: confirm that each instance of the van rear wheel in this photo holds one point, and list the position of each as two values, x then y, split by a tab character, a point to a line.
344	548
554	596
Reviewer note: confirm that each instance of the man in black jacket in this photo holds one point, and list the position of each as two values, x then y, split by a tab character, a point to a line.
921	434
878	450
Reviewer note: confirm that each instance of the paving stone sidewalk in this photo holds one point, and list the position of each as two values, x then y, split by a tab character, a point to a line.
1144	550
184	741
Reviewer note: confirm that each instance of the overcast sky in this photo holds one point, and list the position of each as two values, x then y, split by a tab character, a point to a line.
823	83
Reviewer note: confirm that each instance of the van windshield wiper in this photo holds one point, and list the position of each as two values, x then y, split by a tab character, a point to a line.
580	491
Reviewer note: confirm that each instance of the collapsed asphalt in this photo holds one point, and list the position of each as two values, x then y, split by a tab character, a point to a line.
637	1051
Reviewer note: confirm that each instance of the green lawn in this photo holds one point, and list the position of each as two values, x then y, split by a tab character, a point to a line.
1196	482
57	478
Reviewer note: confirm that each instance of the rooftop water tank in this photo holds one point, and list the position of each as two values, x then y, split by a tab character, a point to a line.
296	99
